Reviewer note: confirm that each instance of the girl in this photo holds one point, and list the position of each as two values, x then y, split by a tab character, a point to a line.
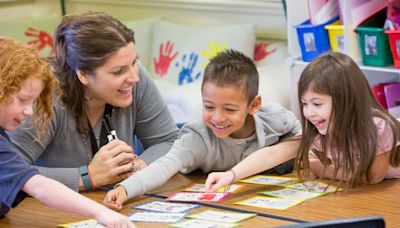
25	89
100	75
346	135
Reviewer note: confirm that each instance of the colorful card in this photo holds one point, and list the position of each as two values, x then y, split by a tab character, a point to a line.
291	193
270	180
198	196
314	186
270	202
202	188
169	207
90	223
148	216
197	223
222	216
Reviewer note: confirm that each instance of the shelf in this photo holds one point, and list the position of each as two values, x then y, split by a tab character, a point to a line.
386	69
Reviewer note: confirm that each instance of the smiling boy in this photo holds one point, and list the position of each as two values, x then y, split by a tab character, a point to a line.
234	125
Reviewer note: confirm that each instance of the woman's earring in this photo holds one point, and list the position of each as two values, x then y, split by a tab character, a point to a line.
87	95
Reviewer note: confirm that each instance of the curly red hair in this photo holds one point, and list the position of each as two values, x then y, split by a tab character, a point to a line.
19	62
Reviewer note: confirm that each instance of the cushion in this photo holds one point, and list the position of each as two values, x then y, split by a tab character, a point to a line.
180	52
37	32
143	37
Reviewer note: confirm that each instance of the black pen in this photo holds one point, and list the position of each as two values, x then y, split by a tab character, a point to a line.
111	133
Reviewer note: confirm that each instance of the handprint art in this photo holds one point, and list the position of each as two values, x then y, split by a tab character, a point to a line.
260	51
42	39
165	58
214	49
186	75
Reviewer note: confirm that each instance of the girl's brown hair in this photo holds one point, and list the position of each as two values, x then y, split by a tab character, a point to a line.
18	63
85	42
352	132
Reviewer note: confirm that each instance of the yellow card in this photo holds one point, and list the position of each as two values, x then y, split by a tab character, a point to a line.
90	223
314	186
270	180
270	202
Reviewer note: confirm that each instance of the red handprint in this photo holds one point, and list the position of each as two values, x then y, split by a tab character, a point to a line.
260	51
207	196
42	40
165	58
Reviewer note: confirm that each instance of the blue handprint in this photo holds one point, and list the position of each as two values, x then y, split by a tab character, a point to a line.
185	75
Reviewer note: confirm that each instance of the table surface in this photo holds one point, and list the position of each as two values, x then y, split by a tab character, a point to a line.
380	199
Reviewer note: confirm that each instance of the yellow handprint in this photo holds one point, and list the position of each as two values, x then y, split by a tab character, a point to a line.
214	50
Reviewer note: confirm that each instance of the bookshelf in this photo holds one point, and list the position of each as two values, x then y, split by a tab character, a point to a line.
297	12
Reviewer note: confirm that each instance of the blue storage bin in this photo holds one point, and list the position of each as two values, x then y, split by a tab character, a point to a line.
313	39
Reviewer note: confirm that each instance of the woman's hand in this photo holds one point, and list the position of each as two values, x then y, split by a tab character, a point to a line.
112	163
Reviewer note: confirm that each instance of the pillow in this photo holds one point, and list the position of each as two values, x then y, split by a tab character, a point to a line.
37	32
180	53
143	37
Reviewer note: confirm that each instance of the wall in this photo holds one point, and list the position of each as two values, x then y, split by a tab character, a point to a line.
267	14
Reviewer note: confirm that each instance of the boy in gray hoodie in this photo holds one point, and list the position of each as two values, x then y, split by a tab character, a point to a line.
234	125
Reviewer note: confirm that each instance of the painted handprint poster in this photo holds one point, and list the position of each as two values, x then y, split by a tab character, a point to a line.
37	32
180	53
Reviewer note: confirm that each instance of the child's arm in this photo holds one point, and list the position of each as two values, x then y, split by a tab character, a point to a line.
55	194
378	171
262	159
152	176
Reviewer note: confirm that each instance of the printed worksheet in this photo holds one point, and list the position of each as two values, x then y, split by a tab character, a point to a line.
202	188
148	216
270	202
291	193
222	216
90	223
170	207
270	180
198	196
197	223
314	186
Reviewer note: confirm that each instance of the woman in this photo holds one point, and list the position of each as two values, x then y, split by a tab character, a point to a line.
101	78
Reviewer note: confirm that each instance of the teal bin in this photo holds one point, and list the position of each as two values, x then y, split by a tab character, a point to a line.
374	43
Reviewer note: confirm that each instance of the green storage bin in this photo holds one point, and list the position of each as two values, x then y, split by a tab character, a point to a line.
374	43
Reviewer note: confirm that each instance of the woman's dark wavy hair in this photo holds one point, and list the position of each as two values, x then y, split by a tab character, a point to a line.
85	42
352	131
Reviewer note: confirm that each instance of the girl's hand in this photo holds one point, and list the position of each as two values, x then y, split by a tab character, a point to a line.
138	164
116	198
112	163
109	218
217	180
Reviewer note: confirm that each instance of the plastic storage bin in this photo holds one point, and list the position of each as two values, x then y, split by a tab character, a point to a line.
394	39
336	36
374	43
313	39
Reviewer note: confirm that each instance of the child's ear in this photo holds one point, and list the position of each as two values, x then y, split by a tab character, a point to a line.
82	76
255	104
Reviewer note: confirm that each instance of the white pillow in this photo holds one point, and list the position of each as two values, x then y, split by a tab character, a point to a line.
187	49
143	37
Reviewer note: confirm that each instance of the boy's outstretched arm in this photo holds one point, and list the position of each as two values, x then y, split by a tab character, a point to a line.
262	159
55	194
